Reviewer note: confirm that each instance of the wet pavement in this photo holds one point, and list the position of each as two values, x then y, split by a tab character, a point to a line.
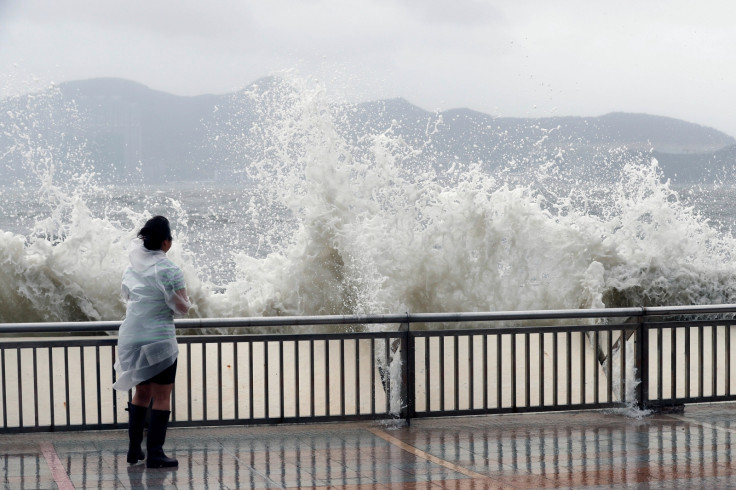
552	450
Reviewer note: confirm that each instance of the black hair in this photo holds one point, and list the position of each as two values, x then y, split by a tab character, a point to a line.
154	232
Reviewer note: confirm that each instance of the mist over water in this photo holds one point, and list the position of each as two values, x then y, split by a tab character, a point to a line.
340	219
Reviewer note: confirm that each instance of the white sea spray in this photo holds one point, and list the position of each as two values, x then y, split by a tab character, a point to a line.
338	219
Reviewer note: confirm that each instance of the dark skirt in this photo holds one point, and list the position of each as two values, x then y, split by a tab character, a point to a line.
165	377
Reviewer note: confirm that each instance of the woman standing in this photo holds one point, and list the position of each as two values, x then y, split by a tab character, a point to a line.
154	290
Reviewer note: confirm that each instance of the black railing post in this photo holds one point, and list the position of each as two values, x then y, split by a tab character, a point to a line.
407	409
642	361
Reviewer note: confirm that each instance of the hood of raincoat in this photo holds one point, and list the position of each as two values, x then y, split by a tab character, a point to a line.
141	258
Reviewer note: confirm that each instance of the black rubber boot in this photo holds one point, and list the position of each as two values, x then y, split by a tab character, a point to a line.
155	441
136	422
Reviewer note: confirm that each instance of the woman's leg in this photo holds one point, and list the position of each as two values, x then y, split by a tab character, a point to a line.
137	409
157	430
136	423
142	395
161	395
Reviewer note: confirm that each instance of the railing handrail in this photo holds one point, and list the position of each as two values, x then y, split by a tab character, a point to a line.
279	321
502	362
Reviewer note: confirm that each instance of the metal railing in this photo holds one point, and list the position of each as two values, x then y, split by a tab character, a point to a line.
388	366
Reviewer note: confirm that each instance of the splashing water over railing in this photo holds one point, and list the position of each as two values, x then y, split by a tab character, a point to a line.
335	215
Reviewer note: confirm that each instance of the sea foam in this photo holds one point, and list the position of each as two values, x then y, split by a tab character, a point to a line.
341	219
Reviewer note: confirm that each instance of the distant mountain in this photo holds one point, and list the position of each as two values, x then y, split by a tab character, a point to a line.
125	131
129	125
699	167
686	152
634	131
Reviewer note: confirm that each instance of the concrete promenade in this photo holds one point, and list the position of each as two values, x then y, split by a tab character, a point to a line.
553	450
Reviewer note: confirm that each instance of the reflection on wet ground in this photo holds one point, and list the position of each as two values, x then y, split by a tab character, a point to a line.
584	450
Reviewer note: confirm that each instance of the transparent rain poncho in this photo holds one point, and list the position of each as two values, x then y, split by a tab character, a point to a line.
152	287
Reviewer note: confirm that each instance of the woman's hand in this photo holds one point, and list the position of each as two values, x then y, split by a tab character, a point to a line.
181	302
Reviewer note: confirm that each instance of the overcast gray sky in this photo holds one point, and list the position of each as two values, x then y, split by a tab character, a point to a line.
529	58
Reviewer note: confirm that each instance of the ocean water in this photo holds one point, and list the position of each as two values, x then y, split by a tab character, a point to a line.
336	220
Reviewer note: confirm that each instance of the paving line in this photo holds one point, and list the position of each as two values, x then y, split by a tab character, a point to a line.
57	468
703	424
254	470
424	455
